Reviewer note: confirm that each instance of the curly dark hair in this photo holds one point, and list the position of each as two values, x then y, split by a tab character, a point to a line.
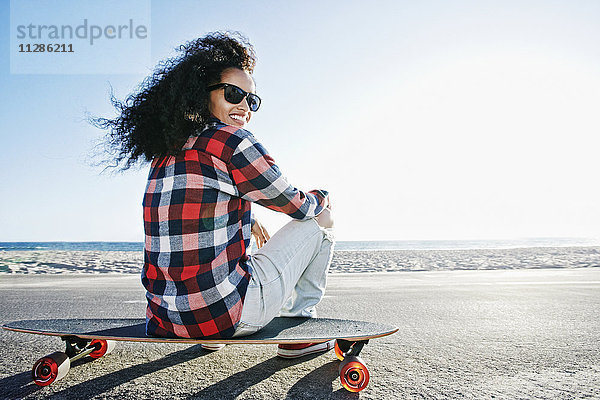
172	103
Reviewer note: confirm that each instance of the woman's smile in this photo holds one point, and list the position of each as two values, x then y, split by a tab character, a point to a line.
241	118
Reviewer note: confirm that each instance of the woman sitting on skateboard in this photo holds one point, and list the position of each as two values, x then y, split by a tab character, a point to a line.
206	170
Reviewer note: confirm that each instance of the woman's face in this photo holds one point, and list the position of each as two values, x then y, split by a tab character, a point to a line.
232	114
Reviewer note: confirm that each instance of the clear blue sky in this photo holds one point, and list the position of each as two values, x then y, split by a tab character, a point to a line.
425	120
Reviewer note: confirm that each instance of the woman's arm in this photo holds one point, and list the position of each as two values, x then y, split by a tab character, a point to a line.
258	179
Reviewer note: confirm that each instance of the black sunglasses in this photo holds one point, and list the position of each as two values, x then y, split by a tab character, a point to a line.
235	95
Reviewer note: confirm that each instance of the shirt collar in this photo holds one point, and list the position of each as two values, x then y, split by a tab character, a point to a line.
212	121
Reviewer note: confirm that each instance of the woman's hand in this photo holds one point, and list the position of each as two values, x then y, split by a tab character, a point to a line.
327	202
260	233
325	219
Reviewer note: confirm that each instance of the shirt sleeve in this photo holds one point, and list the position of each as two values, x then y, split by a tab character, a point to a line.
258	179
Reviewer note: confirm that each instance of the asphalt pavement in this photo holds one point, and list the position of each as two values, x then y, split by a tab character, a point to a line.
503	334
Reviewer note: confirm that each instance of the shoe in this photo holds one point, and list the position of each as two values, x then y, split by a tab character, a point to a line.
303	349
212	346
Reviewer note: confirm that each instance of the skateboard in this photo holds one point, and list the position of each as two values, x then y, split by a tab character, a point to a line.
97	337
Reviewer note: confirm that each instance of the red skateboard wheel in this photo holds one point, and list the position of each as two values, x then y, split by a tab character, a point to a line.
50	368
354	374
103	347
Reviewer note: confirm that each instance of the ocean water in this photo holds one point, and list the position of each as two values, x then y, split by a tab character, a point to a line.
340	245
72	246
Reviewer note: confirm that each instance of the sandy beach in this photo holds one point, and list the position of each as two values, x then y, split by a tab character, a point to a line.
506	324
129	262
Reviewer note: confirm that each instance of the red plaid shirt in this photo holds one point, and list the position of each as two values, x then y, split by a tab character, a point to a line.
198	227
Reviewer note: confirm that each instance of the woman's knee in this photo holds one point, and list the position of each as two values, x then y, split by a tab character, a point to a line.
325	219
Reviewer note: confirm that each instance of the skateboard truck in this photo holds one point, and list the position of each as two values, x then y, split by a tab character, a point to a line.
349	348
76	346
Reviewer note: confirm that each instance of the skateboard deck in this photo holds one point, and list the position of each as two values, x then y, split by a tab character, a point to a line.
96	338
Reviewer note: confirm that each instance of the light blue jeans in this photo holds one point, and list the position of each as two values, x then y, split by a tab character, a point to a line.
289	275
